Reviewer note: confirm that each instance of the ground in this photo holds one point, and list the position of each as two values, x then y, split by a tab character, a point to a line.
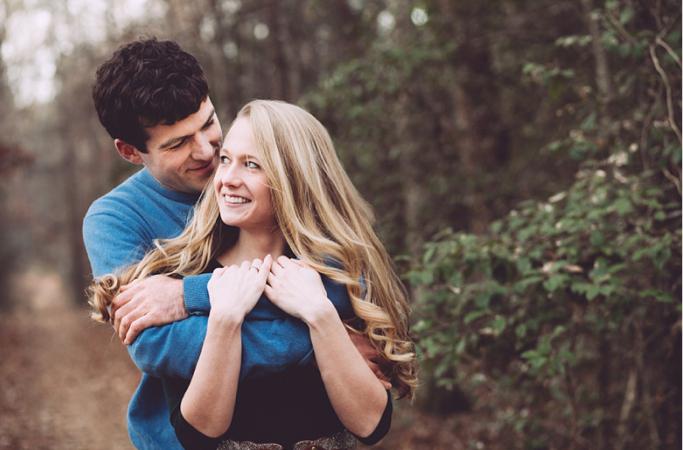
67	381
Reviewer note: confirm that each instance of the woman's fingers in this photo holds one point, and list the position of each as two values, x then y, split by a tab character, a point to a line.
284	261
264	269
256	264
245	266
276	267
271	279
299	263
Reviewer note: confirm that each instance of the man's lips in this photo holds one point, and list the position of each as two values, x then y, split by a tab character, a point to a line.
206	166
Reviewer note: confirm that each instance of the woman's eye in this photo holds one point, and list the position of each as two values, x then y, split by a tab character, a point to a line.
223	159
252	165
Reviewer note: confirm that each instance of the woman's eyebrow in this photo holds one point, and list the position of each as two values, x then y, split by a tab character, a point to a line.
250	156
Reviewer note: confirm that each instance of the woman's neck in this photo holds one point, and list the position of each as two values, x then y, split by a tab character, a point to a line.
253	244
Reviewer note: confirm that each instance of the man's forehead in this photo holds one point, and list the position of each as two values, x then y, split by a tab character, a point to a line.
162	134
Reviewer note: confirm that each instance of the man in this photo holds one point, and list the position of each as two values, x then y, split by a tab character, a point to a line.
153	99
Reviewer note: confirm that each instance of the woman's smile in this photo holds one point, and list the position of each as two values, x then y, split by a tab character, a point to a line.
240	183
235	200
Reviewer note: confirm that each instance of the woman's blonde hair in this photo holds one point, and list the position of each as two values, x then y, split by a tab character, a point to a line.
322	217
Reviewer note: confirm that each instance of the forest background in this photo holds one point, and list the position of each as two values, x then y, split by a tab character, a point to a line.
523	158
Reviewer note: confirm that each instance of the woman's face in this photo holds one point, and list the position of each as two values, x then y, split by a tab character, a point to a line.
240	182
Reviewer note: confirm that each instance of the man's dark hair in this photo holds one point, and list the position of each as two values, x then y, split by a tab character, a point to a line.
146	83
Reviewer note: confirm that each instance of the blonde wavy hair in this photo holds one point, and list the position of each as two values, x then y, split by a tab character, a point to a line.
322	217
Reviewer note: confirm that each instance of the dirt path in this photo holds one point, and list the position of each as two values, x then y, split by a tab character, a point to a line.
66	382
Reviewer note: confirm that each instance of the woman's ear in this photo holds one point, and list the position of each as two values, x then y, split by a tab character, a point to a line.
128	152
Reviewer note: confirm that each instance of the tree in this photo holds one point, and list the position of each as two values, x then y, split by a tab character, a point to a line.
568	310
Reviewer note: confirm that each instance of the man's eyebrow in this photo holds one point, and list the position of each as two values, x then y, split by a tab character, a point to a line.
177	140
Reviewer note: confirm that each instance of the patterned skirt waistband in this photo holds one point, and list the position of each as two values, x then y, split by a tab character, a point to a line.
339	441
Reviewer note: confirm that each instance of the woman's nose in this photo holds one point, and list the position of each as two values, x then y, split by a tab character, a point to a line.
230	175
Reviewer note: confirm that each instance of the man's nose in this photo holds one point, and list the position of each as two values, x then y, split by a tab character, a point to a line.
203	149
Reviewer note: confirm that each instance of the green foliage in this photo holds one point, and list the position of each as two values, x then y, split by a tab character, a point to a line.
561	299
528	304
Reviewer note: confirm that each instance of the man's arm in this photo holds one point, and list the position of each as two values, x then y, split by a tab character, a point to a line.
112	244
269	345
158	300
173	350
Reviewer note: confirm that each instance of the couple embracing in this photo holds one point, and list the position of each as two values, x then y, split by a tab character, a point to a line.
242	272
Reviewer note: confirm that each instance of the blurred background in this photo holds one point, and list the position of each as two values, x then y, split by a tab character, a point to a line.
523	158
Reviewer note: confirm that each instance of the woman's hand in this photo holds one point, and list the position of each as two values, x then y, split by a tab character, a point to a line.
297	289
234	290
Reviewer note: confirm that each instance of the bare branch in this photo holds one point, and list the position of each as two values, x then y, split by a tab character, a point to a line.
669	96
620	29
673	178
669	50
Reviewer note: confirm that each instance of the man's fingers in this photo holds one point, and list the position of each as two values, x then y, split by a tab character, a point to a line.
124	297
380	376
121	312
137	327
370	355
127	320
129	285
363	345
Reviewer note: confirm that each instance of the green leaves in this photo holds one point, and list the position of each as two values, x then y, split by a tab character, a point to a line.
531	301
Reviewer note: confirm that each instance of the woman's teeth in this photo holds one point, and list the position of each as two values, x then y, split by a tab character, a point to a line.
234	199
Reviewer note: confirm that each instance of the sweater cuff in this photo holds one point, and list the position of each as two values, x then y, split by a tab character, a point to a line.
196	295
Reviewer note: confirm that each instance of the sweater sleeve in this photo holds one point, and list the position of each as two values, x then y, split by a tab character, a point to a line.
196	294
172	350
271	340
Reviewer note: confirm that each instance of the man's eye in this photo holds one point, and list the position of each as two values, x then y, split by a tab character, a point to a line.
176	146
208	124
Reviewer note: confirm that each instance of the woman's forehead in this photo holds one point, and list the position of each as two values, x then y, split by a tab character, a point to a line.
240	139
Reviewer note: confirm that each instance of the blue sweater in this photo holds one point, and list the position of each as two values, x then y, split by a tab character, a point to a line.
118	229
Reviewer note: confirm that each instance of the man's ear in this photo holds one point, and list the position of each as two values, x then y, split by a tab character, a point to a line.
128	151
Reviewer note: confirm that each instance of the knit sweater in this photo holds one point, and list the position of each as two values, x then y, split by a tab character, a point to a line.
117	231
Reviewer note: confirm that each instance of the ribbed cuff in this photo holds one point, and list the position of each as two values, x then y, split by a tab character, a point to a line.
196	294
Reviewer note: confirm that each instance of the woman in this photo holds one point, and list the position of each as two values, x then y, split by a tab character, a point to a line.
280	213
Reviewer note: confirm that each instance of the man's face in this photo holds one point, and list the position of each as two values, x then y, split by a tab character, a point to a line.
183	156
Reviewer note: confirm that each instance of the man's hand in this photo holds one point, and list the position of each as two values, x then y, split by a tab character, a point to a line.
370	355
156	300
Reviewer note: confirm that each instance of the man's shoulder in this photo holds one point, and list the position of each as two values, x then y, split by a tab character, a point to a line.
129	195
